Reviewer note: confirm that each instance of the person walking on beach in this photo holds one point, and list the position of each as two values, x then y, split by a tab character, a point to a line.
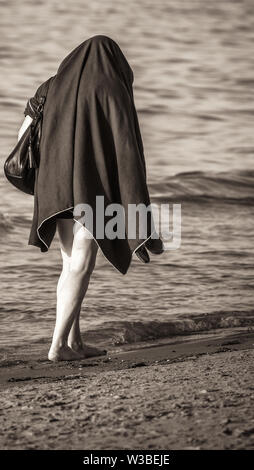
90	147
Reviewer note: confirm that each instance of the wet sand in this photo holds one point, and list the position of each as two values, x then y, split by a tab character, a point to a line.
193	392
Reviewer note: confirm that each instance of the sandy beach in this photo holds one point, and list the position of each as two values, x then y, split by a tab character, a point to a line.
192	392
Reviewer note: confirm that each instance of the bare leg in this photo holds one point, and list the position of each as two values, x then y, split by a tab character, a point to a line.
65	232
78	263
74	339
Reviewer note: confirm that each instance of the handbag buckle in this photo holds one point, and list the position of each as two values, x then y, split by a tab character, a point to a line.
41	103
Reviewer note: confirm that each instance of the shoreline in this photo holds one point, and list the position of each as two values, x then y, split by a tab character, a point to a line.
187	393
24	366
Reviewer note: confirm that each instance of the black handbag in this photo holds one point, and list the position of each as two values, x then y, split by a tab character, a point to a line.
20	166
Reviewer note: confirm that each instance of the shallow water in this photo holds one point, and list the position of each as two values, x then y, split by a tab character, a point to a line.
193	63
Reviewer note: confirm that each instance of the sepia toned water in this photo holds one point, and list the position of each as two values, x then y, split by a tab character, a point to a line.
193	63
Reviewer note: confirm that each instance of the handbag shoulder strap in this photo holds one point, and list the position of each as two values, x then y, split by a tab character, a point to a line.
43	89
35	104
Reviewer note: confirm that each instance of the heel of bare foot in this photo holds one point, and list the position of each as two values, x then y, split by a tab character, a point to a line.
64	353
87	351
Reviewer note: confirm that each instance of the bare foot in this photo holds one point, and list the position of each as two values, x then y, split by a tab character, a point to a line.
86	350
64	353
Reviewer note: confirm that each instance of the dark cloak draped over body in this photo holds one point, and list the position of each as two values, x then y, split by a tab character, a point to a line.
91	146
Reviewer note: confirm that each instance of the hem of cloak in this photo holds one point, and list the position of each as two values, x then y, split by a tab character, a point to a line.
122	272
46	247
47	218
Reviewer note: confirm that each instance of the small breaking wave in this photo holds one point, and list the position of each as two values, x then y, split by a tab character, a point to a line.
126	332
203	187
